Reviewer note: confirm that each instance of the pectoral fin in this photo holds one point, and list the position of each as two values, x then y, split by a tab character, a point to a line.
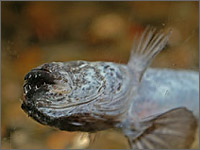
174	129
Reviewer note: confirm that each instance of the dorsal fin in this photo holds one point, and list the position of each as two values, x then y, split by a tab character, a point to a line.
145	48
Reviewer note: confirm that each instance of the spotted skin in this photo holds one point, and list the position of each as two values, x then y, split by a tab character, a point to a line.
76	93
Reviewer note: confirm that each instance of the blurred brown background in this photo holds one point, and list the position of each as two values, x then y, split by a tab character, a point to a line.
37	32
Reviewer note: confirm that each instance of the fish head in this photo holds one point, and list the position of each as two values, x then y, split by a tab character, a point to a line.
58	94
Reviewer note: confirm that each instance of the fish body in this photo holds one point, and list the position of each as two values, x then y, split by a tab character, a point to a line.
164	89
93	96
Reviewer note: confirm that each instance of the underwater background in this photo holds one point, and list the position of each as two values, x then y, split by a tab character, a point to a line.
34	33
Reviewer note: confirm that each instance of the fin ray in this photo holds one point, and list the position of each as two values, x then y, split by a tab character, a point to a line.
145	48
154	133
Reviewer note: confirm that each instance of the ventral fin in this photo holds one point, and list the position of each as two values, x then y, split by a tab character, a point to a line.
174	129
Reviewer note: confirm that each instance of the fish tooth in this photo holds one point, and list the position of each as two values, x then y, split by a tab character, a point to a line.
30	76
29	87
36	76
25	90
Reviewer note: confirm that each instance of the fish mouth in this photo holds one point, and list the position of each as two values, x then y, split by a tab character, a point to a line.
36	87
36	81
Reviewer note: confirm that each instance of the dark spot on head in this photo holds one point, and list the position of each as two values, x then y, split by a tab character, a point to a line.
118	76
107	66
60	99
119	86
112	69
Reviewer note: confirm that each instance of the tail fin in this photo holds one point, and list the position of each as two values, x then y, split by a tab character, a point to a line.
145	48
174	129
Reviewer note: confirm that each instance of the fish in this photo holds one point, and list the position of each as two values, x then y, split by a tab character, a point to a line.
154	108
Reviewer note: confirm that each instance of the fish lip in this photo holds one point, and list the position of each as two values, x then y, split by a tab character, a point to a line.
29	75
40	74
